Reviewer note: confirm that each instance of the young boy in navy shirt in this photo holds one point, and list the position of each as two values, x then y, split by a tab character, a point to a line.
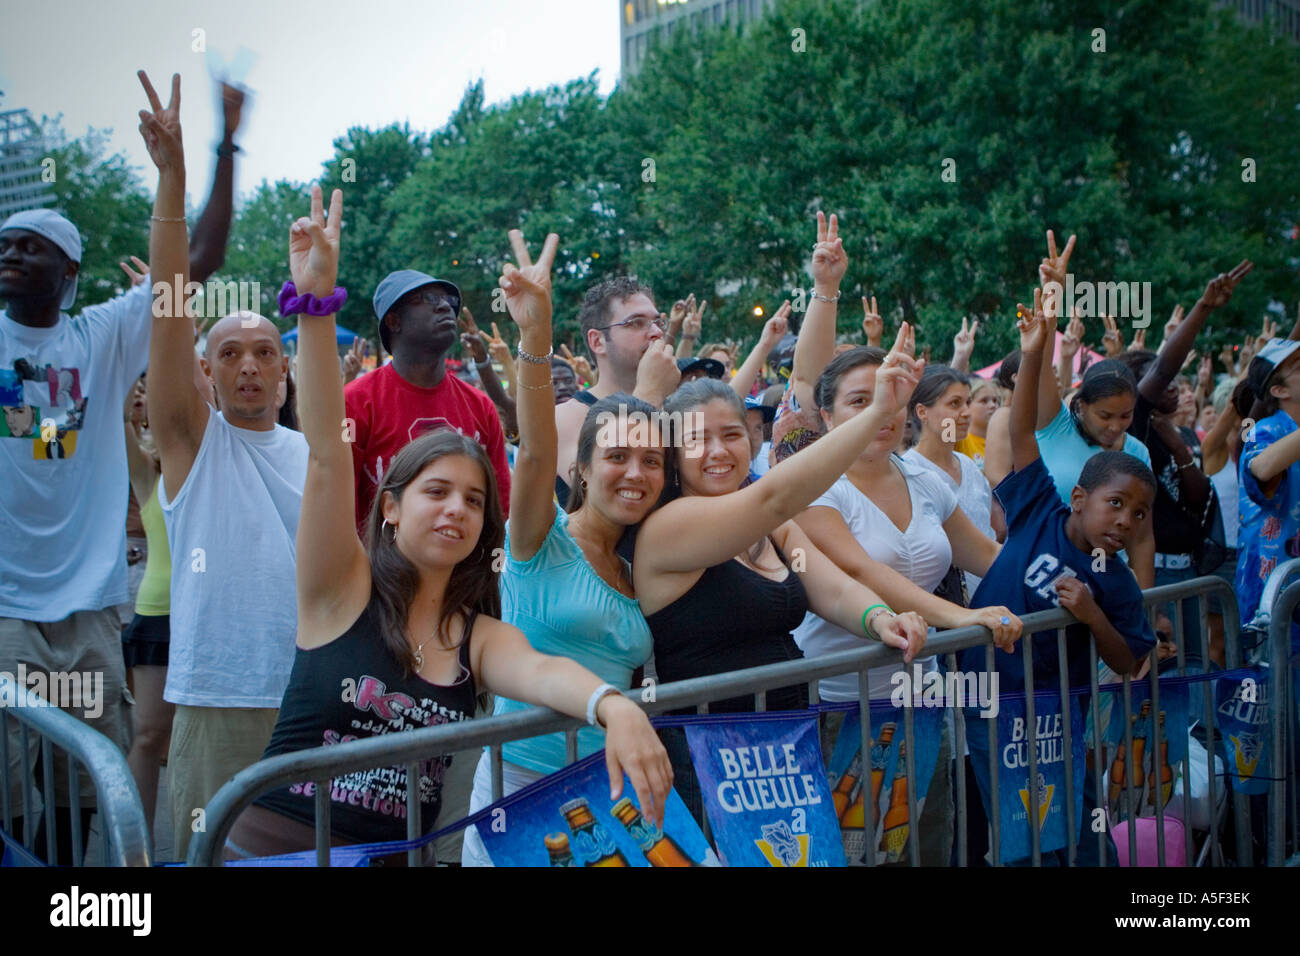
1059	556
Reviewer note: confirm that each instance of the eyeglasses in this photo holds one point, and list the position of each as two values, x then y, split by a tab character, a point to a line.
636	324
433	297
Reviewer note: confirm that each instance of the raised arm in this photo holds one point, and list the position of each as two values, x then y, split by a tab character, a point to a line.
177	414
212	231
692	323
528	298
1035	330
1053	269
773	331
1172	355
471	339
963	345
333	571
1214	449
816	342
1071	342
698	532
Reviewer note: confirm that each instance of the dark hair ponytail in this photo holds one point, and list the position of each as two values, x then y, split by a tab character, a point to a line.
1105	379
935	381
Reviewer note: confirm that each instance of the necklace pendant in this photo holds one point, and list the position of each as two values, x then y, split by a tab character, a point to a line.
419	659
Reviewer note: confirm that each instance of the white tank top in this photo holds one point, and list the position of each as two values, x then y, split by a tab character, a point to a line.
232	528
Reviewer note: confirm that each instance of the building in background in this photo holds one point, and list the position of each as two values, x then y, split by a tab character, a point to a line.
642	21
1280	15
22	149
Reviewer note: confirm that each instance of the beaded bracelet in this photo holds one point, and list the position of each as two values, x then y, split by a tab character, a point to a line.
536	359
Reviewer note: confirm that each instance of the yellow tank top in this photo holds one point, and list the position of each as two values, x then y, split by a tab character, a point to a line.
971	445
154	597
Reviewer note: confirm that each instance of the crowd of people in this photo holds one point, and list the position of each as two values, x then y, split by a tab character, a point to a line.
466	538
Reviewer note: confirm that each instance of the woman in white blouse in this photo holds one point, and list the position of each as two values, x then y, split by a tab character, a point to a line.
940	410
897	525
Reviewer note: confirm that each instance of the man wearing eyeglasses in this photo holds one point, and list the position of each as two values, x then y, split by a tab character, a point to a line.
624	333
413	394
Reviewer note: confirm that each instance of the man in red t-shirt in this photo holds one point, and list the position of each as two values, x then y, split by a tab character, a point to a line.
413	394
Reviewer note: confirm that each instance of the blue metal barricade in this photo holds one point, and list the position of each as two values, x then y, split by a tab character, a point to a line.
122	824
322	765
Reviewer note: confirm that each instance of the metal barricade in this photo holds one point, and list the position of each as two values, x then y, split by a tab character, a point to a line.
1278	605
124	831
321	765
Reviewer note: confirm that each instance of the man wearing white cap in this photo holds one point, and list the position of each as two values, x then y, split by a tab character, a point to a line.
63	497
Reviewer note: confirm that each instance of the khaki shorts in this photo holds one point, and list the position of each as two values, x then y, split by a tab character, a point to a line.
77	664
209	746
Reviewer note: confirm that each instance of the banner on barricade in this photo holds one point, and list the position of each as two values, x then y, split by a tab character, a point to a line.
765	791
568	819
1015	787
1242	714
1154	770
881	779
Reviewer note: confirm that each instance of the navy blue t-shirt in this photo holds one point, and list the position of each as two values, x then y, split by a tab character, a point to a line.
1037	553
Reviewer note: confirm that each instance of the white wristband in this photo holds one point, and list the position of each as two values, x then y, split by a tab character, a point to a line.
594	699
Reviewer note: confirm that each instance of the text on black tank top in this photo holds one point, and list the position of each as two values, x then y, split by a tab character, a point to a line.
351	689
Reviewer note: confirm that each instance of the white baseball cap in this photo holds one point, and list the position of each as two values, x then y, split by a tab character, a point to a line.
52	226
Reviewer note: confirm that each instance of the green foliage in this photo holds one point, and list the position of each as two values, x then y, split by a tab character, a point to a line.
1138	149
105	199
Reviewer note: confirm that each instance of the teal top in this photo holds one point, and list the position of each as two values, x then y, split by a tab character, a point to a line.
1065	452
564	608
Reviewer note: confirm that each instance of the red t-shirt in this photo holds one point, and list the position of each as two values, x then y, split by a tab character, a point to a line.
388	412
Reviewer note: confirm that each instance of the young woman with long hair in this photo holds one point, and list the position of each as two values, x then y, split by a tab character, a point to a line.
409	619
564	583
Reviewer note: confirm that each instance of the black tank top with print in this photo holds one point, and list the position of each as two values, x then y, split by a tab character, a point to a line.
350	689
731	619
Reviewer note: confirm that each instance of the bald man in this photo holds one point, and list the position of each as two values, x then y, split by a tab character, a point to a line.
230	492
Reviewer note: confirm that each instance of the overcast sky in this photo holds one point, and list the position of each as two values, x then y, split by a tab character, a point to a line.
316	68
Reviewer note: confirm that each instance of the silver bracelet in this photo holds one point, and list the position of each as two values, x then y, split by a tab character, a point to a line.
832	301
536	359
595	699
483	364
167	218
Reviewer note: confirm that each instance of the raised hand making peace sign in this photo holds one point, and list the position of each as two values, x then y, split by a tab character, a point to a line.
899	373
829	261
161	129
528	287
1220	288
314	246
873	326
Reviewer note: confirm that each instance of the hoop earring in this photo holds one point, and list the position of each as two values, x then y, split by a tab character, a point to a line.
385	525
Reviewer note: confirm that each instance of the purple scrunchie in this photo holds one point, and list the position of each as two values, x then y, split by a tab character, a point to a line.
291	303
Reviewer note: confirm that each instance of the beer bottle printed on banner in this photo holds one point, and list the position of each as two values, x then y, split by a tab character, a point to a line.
1164	783
878	754
848	787
557	845
1140	746
896	823
658	847
1117	775
595	846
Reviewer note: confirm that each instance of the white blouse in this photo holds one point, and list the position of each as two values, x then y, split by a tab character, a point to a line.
921	553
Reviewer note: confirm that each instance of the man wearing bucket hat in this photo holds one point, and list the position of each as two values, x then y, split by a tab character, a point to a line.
64	494
414	394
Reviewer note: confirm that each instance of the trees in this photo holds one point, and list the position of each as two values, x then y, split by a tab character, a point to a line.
105	199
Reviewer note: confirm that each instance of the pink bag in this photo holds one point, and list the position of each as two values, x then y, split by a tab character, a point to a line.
1147	847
